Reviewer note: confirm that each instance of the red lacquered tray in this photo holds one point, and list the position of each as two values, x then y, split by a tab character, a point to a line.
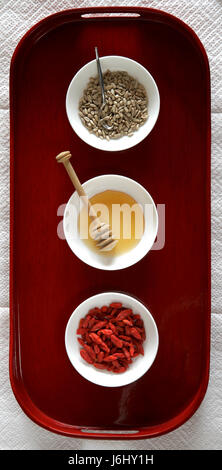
47	281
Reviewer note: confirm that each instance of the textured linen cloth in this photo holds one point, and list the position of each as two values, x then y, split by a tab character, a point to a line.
204	428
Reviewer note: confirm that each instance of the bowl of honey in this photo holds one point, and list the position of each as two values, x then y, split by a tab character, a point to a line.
127	207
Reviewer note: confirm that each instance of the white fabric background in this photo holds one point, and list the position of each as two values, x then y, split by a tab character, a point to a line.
204	429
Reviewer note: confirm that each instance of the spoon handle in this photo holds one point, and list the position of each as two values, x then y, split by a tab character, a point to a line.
100	76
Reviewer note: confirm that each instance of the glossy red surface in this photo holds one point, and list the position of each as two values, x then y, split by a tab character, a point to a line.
47	281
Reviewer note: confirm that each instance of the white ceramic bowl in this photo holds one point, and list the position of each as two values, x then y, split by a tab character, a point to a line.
79	83
140	364
97	260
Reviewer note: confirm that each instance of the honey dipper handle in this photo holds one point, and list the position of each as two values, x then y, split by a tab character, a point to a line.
64	158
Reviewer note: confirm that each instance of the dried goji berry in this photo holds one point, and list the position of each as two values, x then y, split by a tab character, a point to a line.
136	354
140	349
81	331
131	350
123	314
127	330
104	309
126	338
134	332
139	322
90	351
95	338
86	356
87	337
86	321
116	364
119	329
127	322
105	332
99	341
116	305
121	369
127	354
113	313
112	327
109	358
136	316
94	311
118	342
98	325
81	341
91	322
99	366
119	355
81	321
100	356
96	348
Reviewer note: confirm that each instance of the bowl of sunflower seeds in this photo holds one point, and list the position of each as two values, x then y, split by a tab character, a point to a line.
132	103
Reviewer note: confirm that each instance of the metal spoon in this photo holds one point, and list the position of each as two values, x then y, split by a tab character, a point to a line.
104	124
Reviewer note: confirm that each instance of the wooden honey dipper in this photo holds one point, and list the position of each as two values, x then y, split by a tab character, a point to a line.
101	233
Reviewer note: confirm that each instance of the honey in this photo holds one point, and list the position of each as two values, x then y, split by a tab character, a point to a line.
123	214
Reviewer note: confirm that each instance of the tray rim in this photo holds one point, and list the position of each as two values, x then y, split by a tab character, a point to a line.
15	374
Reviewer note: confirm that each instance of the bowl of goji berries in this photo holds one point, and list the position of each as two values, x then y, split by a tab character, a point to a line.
111	339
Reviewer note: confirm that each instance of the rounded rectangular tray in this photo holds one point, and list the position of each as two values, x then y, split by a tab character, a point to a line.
47	281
